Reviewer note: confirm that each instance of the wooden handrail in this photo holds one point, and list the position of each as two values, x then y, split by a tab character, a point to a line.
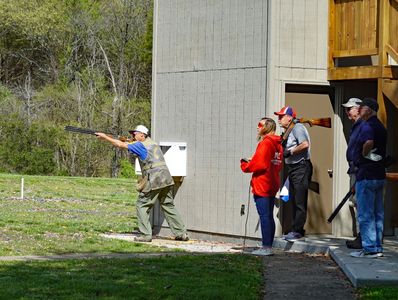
392	176
355	52
391	51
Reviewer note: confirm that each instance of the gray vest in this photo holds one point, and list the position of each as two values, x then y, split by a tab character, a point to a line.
154	167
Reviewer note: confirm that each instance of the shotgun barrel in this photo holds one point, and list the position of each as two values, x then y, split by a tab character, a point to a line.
80	130
338	208
92	132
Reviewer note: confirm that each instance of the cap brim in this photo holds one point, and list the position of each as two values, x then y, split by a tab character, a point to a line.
347	105
279	114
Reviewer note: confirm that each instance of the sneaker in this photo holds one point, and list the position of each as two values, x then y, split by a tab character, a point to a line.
184	237
379	254
363	254
289	235
263	252
143	238
293	236
355	244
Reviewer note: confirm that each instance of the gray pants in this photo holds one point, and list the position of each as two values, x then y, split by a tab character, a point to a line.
145	203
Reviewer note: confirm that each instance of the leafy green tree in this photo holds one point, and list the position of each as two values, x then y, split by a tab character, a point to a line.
80	62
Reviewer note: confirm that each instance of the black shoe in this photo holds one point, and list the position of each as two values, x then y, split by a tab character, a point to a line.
355	244
184	237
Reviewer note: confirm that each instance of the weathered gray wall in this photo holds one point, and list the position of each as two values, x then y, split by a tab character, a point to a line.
219	66
299	44
209	91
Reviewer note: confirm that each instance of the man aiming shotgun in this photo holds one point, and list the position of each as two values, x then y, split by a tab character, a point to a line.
156	184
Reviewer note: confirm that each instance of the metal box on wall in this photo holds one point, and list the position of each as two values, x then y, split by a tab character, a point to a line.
175	155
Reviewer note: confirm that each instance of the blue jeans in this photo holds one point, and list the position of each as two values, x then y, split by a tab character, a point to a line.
265	209
370	213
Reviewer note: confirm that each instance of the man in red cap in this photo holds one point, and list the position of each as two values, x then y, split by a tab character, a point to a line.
297	159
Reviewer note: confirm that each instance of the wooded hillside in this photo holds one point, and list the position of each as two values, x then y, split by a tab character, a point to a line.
85	63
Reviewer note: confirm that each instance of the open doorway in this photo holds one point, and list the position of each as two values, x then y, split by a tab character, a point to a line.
315	102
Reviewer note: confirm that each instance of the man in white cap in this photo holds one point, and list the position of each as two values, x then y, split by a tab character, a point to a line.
352	111
157	183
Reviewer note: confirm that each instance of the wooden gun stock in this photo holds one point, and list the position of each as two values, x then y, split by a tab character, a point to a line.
323	122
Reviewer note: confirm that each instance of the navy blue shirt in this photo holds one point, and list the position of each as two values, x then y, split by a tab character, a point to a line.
353	138
374	130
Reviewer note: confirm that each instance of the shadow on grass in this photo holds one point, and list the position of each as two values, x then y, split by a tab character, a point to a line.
187	277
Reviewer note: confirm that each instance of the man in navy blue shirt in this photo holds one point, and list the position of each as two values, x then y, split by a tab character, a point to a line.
368	153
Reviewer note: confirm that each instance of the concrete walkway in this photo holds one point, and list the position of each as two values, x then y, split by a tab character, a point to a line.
360	271
366	271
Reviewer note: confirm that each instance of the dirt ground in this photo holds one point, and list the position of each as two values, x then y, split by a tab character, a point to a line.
302	276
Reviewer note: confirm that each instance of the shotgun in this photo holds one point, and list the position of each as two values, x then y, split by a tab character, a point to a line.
81	130
92	132
322	122
388	161
338	208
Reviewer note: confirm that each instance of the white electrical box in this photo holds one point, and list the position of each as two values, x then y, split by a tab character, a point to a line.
175	155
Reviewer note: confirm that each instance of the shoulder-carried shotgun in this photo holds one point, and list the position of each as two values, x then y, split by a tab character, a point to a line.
322	122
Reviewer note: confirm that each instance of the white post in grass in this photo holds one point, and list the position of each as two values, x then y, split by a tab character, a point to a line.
22	183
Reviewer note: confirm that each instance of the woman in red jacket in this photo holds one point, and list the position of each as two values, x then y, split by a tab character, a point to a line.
265	165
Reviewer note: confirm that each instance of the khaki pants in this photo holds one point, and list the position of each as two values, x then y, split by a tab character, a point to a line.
145	203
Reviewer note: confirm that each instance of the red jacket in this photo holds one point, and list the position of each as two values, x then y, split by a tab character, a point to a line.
265	165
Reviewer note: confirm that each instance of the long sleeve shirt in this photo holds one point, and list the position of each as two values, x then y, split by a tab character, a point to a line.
265	165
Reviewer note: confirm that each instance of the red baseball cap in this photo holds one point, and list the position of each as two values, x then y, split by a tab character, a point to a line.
286	110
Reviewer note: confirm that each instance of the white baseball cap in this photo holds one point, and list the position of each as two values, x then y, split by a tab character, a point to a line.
352	102
140	128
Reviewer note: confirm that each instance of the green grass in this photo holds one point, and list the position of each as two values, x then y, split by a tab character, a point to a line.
182	277
68	188
379	293
66	215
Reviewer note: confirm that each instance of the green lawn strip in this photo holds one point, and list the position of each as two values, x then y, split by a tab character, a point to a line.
57	187
69	222
379	293
182	277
